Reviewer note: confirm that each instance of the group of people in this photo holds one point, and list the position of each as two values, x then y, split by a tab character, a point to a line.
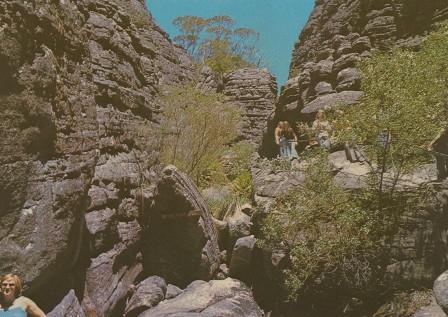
12	303
287	140
321	129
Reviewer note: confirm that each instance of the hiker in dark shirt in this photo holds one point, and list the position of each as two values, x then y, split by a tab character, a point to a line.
439	147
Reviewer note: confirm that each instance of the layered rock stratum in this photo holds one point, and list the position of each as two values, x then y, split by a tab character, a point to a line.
85	211
339	34
87	215
79	81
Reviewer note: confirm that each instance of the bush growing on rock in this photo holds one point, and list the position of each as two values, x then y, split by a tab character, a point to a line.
195	129
330	236
405	304
237	159
138	15
339	239
405	101
232	171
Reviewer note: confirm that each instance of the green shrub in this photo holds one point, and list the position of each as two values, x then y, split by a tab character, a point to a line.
276	165
139	15
237	159
405	97
213	175
329	234
336	238
405	304
242	185
221	205
195	129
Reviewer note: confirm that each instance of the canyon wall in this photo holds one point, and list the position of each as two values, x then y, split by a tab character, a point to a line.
86	211
339	34
78	87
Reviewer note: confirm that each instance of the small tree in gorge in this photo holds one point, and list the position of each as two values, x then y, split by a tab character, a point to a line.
217	42
195	129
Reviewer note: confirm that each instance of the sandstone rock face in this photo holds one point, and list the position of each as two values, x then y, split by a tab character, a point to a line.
172	291
270	181
181	243
45	180
254	91
341	33
111	275
239	225
209	81
69	307
229	298
78	87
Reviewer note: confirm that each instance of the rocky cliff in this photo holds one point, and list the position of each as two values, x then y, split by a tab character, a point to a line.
252	90
86	213
78	87
338	35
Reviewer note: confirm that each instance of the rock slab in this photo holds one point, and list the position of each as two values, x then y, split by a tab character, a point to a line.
224	298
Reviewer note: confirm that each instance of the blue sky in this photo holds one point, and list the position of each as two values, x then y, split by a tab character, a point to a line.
278	22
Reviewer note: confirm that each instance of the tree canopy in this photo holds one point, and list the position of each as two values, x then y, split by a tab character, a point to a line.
218	42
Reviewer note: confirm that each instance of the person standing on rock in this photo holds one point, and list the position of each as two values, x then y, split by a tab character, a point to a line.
291	140
286	139
322	130
439	147
12	304
280	140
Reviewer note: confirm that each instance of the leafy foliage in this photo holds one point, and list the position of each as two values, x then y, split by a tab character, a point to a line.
333	236
276	164
195	129
406	99
232	171
326	230
217	42
242	185
138	15
219	206
237	158
405	304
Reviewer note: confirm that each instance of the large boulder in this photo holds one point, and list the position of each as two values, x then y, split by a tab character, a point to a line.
224	298
180	243
241	261
432	310
148	293
111	275
440	289
172	291
271	181
239	224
